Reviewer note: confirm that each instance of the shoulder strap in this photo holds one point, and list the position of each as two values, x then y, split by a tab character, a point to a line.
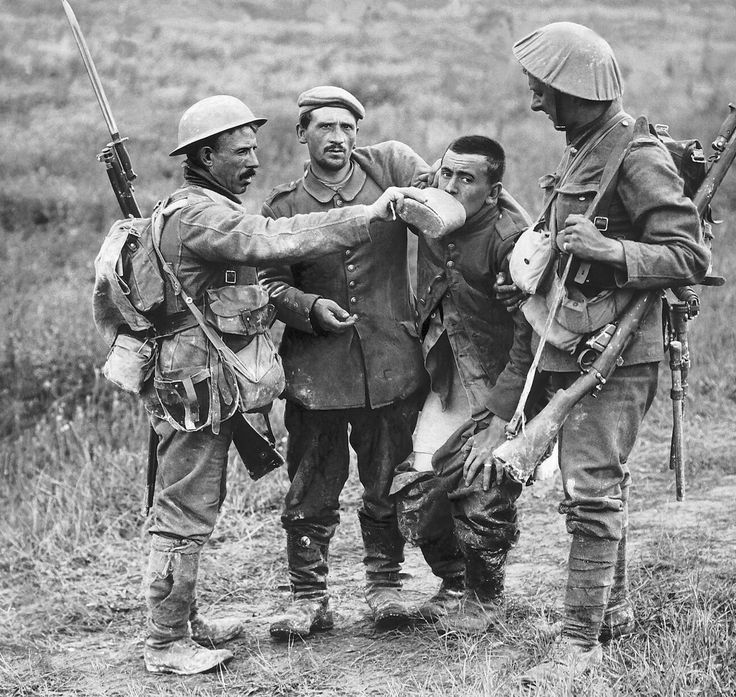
605	191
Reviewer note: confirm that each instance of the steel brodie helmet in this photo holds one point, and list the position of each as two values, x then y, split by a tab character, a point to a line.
572	59
211	116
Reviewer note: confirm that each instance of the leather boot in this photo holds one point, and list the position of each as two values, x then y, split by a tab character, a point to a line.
446	560
618	620
590	576
482	604
213	632
183	657
307	552
384	552
171	579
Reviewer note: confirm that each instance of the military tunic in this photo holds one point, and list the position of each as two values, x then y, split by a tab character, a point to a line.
659	230
366	377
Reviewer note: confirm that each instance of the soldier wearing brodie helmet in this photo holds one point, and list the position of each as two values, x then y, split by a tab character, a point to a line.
213	244
646	236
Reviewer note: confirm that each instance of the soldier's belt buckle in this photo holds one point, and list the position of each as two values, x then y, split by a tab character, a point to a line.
601	222
231	277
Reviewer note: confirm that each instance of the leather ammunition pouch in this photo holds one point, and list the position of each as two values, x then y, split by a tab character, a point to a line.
242	310
577	315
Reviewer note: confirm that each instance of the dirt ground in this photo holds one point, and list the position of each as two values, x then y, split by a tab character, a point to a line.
77	629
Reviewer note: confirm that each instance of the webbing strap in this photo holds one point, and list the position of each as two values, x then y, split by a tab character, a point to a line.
608	177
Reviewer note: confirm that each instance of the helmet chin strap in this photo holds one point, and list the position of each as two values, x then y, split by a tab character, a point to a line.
555	116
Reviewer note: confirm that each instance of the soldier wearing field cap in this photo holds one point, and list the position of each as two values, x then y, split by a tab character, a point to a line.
212	244
646	236
352	361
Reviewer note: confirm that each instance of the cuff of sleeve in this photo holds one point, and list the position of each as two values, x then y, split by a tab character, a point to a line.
632	259
501	405
315	327
365	229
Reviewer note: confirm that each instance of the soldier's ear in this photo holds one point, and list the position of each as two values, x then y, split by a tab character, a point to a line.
494	193
301	134
205	155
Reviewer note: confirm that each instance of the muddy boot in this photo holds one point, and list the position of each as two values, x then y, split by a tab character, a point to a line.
566	661
446	601
213	632
171	579
384	552
446	560
590	576
619	618
307	551
303	617
183	657
482	604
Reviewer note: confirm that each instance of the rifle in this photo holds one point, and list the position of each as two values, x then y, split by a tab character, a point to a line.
688	307
258	454
525	449
121	175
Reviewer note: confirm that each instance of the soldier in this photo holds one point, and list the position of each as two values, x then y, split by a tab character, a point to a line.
650	239
211	242
351	358
472	347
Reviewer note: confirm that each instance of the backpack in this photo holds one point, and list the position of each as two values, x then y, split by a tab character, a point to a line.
129	288
689	158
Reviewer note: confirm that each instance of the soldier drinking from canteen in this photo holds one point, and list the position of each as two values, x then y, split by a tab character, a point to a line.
476	353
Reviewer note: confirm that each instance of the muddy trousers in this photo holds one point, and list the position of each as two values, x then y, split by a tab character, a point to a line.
190	489
318	460
457	527
594	446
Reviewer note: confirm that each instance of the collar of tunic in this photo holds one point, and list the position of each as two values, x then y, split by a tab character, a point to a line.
324	194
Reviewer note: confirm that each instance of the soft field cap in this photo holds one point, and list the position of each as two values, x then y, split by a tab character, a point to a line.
572	59
328	95
211	116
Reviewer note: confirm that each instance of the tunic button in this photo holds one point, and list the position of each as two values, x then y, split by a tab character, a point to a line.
348	252
422	301
339	202
573	151
351	267
353	299
451	246
352	284
450	264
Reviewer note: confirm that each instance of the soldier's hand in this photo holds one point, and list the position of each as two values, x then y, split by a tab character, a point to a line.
331	317
480	452
507	292
430	178
384	207
581	238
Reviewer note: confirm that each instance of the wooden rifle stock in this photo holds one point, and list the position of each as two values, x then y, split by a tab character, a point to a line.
520	455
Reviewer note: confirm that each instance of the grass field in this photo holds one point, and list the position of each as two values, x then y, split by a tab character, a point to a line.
71	447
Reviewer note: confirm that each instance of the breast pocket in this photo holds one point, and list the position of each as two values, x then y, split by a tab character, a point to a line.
573	198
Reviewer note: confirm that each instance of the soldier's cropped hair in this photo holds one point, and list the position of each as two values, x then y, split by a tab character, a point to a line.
488	148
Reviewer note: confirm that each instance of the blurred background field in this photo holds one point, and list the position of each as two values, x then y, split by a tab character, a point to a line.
71	447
